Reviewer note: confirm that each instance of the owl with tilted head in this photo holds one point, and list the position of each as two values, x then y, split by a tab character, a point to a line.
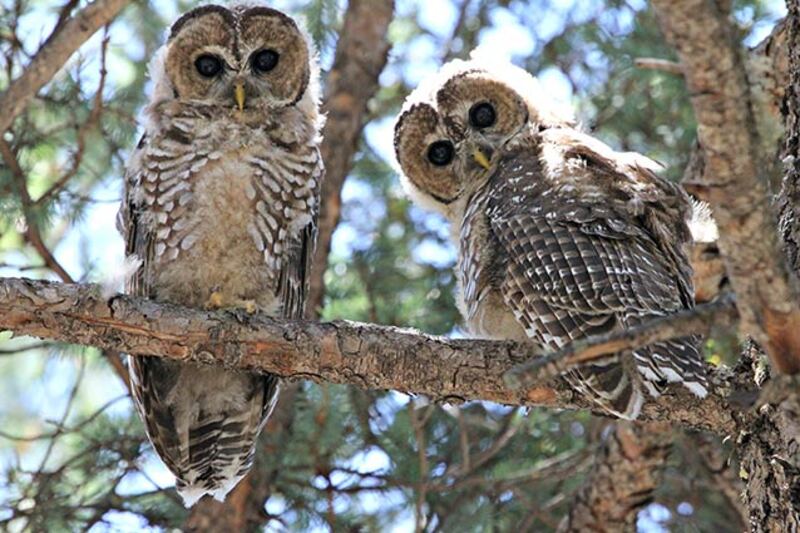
559	237
219	212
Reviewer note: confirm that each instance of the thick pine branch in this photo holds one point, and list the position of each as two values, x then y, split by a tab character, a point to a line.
365	355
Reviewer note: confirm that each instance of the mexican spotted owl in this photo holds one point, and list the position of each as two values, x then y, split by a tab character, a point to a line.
219	211
559	237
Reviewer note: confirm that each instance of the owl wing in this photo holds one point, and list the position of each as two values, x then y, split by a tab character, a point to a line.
149	394
575	269
293	280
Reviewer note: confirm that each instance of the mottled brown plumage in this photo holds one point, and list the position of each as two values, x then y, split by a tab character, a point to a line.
559	236
220	205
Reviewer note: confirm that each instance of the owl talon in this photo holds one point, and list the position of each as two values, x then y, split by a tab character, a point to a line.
249	306
214	301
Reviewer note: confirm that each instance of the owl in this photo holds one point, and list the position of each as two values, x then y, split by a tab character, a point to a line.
559	237
219	211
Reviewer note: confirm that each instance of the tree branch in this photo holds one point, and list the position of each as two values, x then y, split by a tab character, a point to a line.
663	65
767	297
365	355
62	43
360	57
697	321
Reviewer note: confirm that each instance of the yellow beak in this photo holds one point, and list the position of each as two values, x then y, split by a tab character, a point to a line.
481	158
239	94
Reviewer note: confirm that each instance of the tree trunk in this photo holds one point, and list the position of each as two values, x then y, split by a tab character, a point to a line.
770	450
626	472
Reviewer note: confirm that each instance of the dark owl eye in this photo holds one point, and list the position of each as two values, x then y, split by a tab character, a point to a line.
441	153
208	65
482	115
265	60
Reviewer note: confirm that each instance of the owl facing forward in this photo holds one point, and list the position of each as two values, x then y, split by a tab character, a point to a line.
219	211
559	237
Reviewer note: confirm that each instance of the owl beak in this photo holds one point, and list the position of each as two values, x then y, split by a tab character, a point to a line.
481	158
239	95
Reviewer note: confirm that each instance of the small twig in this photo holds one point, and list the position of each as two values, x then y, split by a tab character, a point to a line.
26	348
418	426
83	129
32	232
463	439
697	321
459	25
61	429
663	65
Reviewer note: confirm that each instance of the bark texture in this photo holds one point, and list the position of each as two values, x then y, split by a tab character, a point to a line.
767	296
770	459
626	471
365	355
352	82
770	450
53	54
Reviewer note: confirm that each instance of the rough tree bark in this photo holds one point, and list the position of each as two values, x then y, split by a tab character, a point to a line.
735	184
626	472
770	450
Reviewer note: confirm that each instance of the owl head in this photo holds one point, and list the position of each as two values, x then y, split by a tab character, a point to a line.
454	128
245	57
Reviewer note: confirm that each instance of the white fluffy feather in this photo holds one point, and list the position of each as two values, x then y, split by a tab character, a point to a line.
701	224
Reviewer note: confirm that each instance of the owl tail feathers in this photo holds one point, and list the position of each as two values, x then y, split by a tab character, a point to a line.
191	493
609	386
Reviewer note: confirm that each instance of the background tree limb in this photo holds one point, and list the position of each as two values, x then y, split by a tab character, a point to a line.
626	472
69	34
360	57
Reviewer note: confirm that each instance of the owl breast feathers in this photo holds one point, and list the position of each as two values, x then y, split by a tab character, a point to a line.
559	237
220	211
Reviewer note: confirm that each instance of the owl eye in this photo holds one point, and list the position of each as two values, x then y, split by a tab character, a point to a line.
208	65
265	60
482	115
441	153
